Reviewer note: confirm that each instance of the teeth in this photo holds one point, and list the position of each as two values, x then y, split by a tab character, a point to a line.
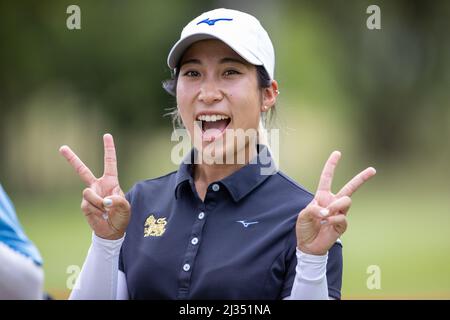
212	118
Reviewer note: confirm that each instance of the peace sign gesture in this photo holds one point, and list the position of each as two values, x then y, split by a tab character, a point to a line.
104	204
323	221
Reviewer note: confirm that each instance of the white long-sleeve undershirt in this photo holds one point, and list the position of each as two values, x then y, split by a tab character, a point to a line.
101	279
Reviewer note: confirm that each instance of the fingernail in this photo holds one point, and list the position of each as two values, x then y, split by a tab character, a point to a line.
324	222
107	202
105	216
324	212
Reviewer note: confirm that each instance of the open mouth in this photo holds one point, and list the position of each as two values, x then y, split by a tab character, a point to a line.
213	126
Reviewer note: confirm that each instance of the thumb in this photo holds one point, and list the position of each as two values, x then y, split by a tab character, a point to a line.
313	212
118	203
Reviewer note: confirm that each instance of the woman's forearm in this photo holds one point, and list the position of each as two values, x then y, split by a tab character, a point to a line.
99	275
310	281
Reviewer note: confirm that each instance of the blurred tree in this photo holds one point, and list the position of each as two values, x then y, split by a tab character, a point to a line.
395	73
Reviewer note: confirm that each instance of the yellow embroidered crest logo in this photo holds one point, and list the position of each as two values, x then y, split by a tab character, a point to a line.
154	227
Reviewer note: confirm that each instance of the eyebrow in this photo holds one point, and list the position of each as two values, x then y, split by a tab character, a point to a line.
194	61
235	60
222	61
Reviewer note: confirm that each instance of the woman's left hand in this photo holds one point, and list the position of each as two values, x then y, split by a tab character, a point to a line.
323	221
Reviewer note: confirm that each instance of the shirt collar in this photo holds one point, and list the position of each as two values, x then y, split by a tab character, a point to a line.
239	183
184	173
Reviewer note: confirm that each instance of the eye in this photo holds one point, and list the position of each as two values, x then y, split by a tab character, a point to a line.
231	72
191	73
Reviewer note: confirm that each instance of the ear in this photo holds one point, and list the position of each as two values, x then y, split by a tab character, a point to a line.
269	96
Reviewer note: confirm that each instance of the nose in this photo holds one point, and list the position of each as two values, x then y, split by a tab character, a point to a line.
210	93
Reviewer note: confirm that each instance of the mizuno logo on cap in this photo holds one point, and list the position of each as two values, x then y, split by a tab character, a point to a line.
213	21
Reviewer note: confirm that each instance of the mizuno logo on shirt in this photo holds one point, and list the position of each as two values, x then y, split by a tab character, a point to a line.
247	223
213	21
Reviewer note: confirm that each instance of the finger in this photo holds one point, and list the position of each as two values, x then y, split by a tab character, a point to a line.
116	202
339	223
340	206
83	171
110	156
314	212
326	177
90	196
356	182
89	209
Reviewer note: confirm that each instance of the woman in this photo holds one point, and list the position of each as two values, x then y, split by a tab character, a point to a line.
218	227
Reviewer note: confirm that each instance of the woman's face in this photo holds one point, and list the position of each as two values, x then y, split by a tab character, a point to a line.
217	93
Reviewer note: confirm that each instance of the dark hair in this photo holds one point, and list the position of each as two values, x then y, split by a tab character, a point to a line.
170	85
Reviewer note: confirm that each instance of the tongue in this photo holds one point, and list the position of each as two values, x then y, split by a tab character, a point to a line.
212	130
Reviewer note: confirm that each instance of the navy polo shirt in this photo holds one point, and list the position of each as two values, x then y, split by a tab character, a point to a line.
239	243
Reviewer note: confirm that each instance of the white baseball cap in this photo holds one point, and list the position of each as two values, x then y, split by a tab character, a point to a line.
240	31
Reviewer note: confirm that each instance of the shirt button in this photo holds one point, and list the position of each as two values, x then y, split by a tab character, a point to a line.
186	267
215	187
194	241
201	215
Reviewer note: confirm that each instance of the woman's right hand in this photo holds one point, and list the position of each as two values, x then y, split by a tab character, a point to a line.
104	204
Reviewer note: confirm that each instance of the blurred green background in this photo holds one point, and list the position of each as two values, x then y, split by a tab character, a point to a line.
381	97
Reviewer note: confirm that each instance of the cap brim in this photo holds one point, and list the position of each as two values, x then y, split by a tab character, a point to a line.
181	45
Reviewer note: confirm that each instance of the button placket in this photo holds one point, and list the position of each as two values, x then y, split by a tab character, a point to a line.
194	244
192	251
